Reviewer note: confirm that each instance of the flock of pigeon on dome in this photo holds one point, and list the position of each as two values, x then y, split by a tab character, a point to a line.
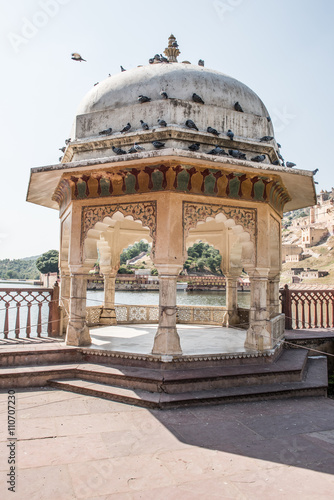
217	150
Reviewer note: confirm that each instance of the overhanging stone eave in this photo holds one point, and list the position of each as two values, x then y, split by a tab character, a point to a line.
44	180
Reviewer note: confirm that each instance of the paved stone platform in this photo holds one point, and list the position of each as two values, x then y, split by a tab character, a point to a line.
79	447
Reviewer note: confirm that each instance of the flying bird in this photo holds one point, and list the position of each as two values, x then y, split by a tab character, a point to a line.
62	149
194	147
315	171
191	124
218	151
143	98
237	107
162	123
212	131
144	125
230	134
77	57
266	138
164	94
107	131
197	98
126	128
201	62
122	69
158	144
118	151
258	158
290	164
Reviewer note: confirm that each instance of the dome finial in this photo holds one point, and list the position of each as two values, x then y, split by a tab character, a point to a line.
172	51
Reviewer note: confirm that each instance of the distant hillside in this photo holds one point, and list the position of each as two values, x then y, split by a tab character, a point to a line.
19	268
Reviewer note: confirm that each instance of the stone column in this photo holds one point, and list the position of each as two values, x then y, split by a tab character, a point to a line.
231	317
258	333
273	296
64	302
108	315
77	333
167	340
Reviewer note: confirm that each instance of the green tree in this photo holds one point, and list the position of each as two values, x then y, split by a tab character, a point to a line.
48	262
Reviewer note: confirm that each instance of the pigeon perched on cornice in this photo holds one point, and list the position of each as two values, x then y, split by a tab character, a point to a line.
163	59
191	124
162	123
315	171
144	125
158	144
62	149
258	158
230	134
194	147
217	151
164	94
122	69
200	62
237	107
118	151
126	128
197	98
266	138
143	98
290	164
212	131
107	131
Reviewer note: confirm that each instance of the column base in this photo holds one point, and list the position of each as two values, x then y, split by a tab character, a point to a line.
108	316
258	338
77	336
231	319
166	341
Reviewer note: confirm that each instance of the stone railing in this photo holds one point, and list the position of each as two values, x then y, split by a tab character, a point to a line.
127	314
29	312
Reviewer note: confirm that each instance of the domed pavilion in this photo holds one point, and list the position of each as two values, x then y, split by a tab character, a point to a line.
205	168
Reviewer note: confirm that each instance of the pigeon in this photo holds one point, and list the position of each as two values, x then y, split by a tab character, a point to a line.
266	138
217	151
289	164
107	131
96	84
67	141
315	171
237	154
230	134
212	131
157	58
158	144
164	94
136	148
197	98
258	158
201	62
163	59
237	107
118	151
268	119
191	124
77	57
276	162
144	125
279	146
126	128
122	69
175	45
151	61
143	98
194	147
60	158
162	123
315	182
280	156
62	149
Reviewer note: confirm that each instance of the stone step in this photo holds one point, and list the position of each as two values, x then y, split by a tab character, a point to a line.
38	354
313	384
288	367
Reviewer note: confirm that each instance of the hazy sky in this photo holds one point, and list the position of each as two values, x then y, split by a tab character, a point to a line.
282	49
